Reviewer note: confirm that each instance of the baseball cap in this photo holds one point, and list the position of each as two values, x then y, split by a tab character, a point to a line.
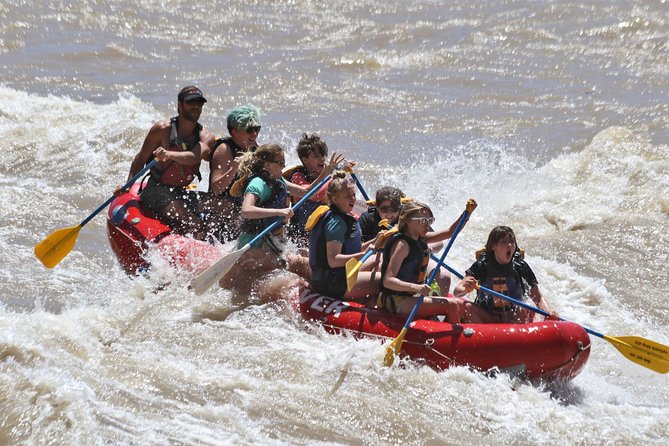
189	93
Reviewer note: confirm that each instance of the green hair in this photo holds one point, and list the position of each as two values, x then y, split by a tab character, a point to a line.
243	116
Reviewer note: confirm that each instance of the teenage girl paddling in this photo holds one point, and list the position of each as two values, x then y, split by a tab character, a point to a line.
405	259
335	239
502	268
266	200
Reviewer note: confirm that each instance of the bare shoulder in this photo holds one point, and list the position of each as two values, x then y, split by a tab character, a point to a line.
158	135
162	125
400	248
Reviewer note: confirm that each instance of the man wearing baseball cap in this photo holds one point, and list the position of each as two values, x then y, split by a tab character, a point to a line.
190	93
177	144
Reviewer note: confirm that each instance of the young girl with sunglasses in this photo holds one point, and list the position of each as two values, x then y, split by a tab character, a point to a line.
389	201
387	207
405	268
335	239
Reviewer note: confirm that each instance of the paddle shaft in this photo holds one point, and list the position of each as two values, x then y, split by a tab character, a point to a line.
125	186
362	189
366	256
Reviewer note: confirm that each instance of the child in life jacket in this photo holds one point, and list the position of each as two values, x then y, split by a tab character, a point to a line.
313	152
502	268
404	269
386	207
336	238
265	199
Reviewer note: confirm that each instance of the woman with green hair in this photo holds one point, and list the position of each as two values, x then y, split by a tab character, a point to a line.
222	210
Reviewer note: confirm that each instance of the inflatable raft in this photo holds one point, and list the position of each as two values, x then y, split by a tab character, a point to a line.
546	350
542	350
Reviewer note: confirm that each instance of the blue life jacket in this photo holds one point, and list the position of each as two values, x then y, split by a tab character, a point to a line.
276	201
324	279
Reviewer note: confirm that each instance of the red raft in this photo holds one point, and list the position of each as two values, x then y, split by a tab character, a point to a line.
549	350
131	230
543	350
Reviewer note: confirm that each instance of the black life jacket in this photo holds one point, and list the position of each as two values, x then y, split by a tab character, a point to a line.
236	151
505	279
413	267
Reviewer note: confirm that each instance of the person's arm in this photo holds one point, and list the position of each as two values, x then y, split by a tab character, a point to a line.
398	253
207	141
250	211
152	141
466	286
184	157
335	257
335	236
299	179
538	299
470	280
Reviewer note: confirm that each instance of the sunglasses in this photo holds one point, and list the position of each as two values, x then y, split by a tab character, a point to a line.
389	209
281	163
424	220
253	129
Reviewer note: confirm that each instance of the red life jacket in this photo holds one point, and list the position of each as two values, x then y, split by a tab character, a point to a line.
172	173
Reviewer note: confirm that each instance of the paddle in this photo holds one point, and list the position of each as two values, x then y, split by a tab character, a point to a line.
222	266
353	265
362	190
394	347
58	244
644	352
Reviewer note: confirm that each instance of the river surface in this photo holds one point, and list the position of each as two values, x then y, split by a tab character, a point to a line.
553	115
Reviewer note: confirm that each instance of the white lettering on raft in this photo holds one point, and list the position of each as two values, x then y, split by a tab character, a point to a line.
323	304
329	305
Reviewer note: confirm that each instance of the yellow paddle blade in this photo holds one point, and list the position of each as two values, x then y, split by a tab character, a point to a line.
644	352
352	268
57	245
394	348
